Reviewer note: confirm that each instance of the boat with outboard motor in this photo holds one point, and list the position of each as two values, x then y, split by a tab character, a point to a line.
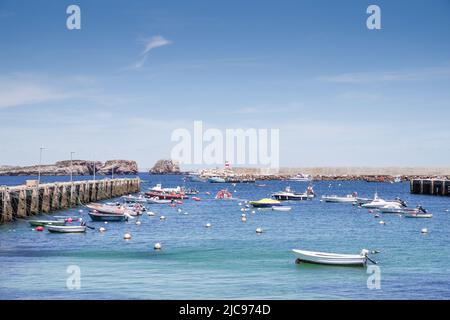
265	203
332	258
350	198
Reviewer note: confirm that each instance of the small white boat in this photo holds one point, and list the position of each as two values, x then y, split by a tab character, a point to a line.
66	229
378	203
350	198
393	208
281	208
332	258
134	199
301	177
156	200
418	215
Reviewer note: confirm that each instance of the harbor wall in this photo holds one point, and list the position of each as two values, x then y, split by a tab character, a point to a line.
437	187
24	201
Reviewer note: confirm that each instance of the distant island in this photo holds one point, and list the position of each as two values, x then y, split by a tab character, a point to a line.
77	167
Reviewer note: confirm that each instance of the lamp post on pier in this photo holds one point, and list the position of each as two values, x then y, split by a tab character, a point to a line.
71	167
40	162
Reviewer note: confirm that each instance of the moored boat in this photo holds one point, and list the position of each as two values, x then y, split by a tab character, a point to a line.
301	177
97	216
134	199
156	200
289	194
165	195
332	258
350	198
265	203
216	180
42	223
109	209
66	229
281	208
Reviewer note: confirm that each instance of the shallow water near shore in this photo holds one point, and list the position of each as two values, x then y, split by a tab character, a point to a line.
229	260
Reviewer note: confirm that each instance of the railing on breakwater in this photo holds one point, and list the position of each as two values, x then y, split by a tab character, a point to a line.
24	201
437	187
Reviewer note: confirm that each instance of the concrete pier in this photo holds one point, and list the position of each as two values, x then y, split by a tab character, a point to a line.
437	187
23	201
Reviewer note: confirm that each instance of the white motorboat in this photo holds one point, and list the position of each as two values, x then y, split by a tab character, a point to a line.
134	199
393	208
350	198
289	194
418	215
378	203
156	200
66	229
281	208
332	258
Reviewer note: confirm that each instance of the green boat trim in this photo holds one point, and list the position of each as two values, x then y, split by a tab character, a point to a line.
42	223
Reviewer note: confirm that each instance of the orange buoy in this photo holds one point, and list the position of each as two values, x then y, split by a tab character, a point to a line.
40	228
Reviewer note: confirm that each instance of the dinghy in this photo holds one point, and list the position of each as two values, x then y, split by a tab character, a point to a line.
332	258
418	215
97	216
66	229
42	223
156	200
134	199
281	208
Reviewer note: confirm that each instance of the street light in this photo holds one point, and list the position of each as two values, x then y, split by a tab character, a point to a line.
71	169
40	161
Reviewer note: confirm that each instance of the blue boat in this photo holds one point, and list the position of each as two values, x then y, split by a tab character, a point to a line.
216	180
96	216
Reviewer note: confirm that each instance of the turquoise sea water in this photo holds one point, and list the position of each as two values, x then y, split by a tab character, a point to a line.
229	260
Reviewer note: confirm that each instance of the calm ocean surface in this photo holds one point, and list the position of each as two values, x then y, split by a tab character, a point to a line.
229	260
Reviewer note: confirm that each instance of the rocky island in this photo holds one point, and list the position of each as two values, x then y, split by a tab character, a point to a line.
166	167
79	167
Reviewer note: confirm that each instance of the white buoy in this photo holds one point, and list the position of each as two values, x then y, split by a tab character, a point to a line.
80	219
162	218
185	213
101	229
235	191
240	203
447	210
106	222
127	236
80	211
377	216
179	210
244	219
424	230
243	215
253	211
382	222
150	213
208	225
259	230
157	246
138	223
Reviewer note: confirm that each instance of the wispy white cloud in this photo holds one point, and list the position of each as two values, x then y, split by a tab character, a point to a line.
424	74
149	45
17	90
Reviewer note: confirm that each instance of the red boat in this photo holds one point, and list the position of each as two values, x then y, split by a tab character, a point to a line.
166	195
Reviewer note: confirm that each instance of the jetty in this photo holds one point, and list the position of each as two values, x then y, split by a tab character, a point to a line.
18	202
437	187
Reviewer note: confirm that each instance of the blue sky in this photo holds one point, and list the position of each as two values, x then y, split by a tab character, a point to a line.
341	95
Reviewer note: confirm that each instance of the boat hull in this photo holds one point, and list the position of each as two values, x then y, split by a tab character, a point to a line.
42	223
66	229
107	217
165	196
330	258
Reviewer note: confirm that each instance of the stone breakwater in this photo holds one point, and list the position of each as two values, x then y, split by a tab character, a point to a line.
78	167
23	201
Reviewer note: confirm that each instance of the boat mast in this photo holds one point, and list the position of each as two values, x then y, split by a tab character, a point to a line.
40	161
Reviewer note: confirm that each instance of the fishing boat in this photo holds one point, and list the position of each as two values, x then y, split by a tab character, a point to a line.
332	258
166	195
350	198
216	180
265	203
393	208
281	208
97	216
289	194
42	223
66	229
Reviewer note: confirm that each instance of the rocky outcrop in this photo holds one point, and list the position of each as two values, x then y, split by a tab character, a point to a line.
119	167
79	167
166	167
